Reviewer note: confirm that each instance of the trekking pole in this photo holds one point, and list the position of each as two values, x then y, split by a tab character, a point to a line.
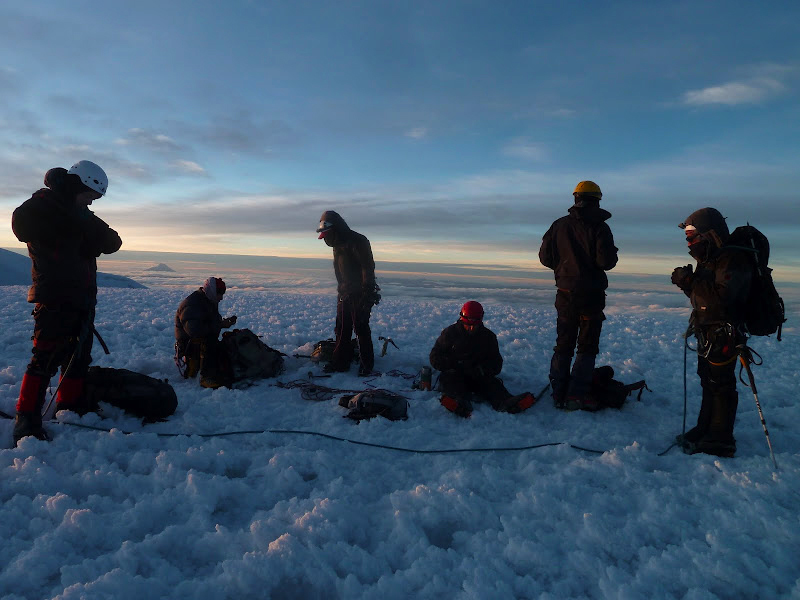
746	358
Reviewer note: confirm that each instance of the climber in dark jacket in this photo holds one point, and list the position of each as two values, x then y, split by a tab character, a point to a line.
718	289
468	356
357	292
580	249
64	239
197	328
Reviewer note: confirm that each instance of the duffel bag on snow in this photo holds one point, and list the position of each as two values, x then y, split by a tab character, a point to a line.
610	393
373	403
249	357
135	393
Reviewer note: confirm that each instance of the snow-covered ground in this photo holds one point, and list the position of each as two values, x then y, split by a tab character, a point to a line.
126	513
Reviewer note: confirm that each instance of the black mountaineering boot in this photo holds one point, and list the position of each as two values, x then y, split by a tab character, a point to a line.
29	424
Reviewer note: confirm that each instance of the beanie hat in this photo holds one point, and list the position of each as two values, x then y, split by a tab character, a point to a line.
54	178
214	288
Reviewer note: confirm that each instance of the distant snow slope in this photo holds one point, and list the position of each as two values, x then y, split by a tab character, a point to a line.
15	269
161	267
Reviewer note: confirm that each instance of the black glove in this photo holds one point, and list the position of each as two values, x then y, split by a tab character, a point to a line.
682	276
229	321
467	366
370	296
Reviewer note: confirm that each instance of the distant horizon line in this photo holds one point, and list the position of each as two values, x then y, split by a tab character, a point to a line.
22	250
120	255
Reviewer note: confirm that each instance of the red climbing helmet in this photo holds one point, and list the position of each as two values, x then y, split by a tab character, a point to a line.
471	313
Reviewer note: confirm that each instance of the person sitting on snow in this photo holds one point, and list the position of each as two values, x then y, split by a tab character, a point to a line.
197	328
468	356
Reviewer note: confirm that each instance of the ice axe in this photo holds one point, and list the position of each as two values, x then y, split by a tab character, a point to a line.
386	341
746	358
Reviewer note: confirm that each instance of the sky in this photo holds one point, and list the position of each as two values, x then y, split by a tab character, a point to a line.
445	132
579	505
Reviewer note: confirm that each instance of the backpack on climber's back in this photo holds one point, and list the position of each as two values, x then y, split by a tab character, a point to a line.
765	313
248	357
136	393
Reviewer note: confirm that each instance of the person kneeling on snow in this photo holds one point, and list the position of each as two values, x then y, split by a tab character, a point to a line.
197	328
468	356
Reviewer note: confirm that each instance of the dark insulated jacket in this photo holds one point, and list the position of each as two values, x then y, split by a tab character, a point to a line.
457	349
352	259
719	287
197	317
64	242
580	249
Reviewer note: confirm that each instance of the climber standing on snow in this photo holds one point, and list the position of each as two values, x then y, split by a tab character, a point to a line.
64	239
718	289
579	248
357	292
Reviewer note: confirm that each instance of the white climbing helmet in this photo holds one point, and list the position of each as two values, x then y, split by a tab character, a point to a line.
92	176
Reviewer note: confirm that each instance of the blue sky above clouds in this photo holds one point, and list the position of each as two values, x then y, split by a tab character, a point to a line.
443	131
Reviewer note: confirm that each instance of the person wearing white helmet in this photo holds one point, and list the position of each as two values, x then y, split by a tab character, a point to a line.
64	239
91	175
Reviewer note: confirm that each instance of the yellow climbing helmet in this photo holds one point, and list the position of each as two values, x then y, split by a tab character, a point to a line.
588	188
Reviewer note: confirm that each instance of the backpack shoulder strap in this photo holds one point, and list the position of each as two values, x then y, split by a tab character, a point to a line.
639	385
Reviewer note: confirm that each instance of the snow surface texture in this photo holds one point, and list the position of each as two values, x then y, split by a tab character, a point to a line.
288	515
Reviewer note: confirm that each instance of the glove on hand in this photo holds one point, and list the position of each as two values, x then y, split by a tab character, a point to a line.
468	367
370	296
229	321
681	276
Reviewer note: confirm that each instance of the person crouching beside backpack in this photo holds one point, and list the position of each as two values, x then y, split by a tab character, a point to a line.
468	356
718	289
197	328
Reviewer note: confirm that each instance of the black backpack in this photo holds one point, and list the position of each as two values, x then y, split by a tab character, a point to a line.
135	393
765	312
374	403
323	350
249	358
611	393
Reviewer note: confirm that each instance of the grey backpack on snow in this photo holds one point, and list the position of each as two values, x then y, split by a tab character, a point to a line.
372	403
